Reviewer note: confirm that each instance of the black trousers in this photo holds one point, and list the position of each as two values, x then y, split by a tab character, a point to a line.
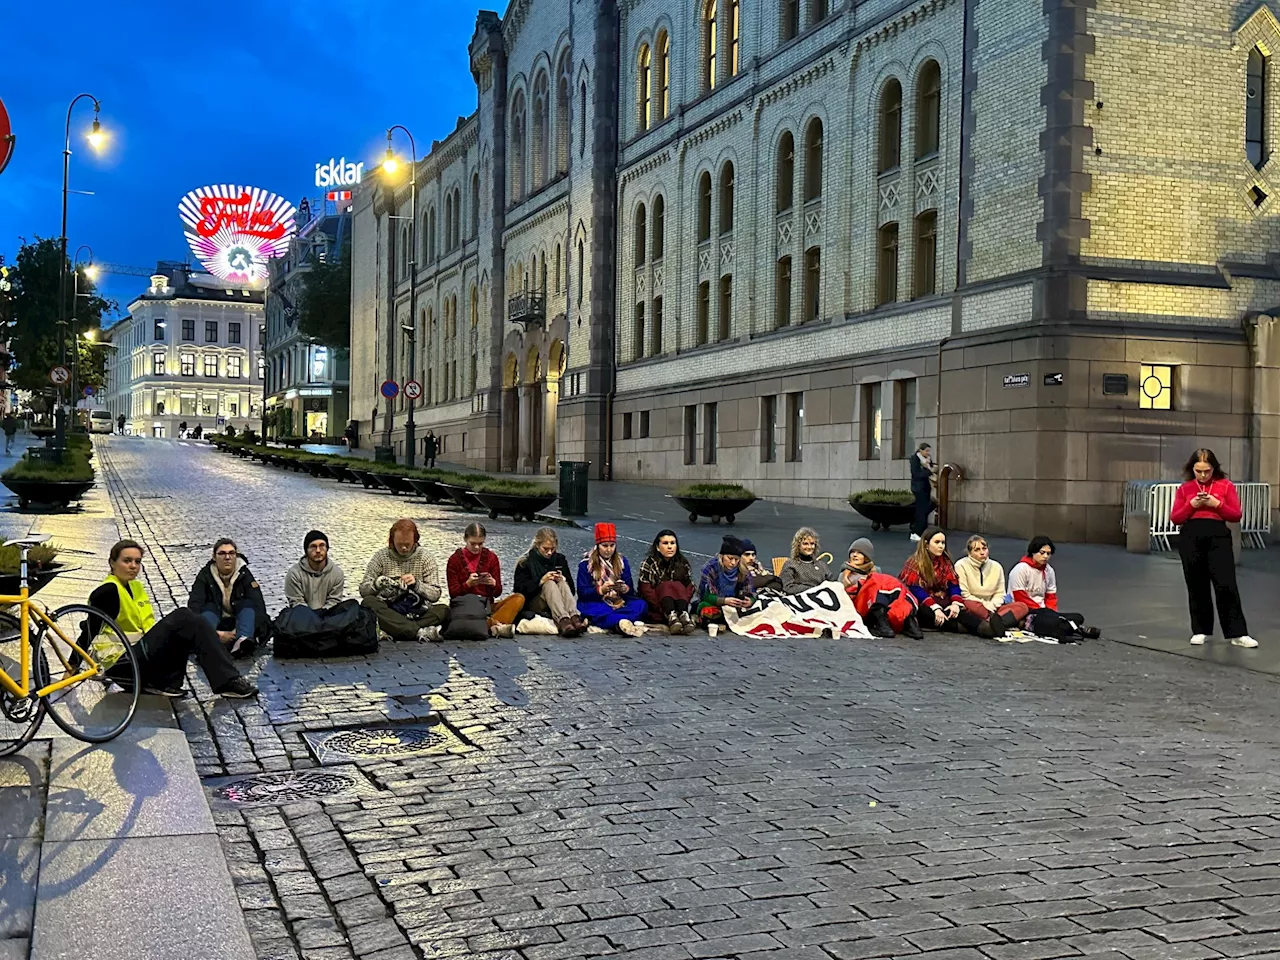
1209	567
924	507
165	648
966	622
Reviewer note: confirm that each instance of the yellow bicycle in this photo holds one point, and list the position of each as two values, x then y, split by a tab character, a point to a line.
78	667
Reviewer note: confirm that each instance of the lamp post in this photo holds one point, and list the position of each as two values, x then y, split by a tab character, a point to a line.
389	167
95	137
91	272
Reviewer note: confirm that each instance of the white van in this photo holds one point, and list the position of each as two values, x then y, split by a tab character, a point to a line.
100	421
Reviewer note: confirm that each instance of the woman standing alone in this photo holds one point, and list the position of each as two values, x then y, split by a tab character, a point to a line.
1202	508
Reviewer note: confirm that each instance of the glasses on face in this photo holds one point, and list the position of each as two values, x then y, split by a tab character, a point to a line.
224	554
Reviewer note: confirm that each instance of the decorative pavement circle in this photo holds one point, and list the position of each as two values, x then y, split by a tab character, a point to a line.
384	742
292	786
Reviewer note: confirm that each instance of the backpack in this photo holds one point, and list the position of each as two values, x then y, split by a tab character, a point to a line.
345	630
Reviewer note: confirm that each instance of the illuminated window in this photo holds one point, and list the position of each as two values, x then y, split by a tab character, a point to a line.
1255	109
1156	387
188	364
644	93
709	46
210	366
262	368
664	75
157	364
233	368
872	421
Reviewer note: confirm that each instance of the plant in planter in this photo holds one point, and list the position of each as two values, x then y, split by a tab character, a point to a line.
46	481
884	507
41	568
714	500
521	499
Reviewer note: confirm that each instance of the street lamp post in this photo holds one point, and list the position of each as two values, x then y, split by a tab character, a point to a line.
389	166
90	272
95	140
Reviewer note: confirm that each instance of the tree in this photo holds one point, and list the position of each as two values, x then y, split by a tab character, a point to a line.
33	308
324	308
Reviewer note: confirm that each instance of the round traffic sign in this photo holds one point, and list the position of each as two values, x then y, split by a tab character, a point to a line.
390	389
7	139
413	390
89	391
59	376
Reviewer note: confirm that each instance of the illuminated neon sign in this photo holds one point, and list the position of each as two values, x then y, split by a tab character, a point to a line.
234	230
339	173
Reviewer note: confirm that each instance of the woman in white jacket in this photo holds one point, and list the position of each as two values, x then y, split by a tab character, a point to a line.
982	585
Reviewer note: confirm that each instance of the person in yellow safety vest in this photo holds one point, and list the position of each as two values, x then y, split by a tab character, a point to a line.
163	646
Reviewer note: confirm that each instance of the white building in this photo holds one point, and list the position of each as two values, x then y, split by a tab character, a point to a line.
190	350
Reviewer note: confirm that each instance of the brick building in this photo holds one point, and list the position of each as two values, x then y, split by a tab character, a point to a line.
784	241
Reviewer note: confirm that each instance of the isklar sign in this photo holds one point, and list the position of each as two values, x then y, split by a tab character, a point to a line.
234	230
339	173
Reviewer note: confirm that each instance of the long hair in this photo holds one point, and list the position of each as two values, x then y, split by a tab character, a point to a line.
595	562
404	523
801	534
1203	455
544	535
924	559
653	553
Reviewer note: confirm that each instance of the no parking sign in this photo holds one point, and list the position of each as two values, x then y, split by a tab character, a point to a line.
390	389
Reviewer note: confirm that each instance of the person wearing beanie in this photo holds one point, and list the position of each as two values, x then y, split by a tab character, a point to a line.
315	581
606	592
724	582
761	578
885	604
805	568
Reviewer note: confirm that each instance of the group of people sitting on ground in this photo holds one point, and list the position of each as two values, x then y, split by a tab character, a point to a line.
402	598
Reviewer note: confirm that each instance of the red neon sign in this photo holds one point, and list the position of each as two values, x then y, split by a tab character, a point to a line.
238	214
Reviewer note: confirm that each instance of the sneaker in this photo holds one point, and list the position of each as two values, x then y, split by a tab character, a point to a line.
242	648
687	621
1199	639
176	693
1090	633
915	538
1243	642
429	635
504	630
630	628
238	689
674	625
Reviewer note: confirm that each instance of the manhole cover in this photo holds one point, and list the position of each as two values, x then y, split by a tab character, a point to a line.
382	742
292	786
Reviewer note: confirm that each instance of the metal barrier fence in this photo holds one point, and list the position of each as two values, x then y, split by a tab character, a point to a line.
1156	500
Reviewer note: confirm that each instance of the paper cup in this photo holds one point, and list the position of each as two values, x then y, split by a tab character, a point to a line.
713	629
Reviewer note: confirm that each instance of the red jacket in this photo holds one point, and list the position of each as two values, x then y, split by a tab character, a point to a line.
1223	489
462	564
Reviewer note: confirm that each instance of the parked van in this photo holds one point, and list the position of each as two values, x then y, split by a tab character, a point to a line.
100	421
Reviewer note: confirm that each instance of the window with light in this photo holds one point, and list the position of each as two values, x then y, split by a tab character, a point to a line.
1155	387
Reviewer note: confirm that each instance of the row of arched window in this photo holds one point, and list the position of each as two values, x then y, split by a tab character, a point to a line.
429	240
535	157
928	118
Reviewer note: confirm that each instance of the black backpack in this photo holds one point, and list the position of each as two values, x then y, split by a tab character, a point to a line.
345	630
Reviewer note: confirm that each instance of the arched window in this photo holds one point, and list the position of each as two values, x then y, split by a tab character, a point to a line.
582	260
1255	111
659	226
431	233
813	160
542	276
517	146
663	78
818	10
640	238
559	254
704	207
704	312
457	217
789	28
709	45
475	205
782	294
541	129
644	90
786	171
475	306
562	115
424	241
925	278
928	109
637	345
890	126
726	198
448	222
726	307
404	252
582	118
734	33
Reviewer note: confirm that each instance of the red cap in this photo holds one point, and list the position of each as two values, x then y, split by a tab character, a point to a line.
606	533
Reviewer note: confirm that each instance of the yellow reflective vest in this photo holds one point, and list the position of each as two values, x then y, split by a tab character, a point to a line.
136	616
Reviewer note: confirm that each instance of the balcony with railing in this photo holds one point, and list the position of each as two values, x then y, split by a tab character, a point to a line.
527	308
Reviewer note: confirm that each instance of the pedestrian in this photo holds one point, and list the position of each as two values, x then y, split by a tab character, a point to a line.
352	433
402	587
226	594
606	592
1202	508
431	446
545	581
182	429
921	488
162	647
10	431
120	424
314	581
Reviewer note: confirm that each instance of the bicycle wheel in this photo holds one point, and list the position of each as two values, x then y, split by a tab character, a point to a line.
95	709
19	719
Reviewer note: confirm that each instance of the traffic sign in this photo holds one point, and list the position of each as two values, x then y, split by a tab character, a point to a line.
59	376
390	389
7	139
89	391
413	390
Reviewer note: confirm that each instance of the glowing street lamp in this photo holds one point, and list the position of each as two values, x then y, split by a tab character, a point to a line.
389	166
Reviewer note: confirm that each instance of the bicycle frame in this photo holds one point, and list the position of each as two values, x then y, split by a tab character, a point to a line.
21	688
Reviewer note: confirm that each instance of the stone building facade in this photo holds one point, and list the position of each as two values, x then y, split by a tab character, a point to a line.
188	351
799	237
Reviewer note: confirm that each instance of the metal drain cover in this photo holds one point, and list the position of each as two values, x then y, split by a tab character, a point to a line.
291	786
382	742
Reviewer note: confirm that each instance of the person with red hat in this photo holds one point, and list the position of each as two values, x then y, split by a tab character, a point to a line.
606	592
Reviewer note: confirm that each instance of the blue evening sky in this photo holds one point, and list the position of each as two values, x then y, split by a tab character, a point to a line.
256	95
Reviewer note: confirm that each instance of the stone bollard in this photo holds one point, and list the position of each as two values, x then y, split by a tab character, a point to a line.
1237	546
1138	533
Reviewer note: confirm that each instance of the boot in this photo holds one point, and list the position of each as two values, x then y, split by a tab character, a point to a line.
911	628
674	626
985	630
877	621
1009	622
1090	633
997	625
565	626
687	622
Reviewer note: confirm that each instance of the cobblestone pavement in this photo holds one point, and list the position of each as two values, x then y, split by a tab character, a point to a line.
667	799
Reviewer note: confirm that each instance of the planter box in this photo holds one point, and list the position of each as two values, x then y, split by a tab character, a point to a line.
397	485
371	481
340	473
885	515
10	583
427	489
462	497
58	492
516	506
715	508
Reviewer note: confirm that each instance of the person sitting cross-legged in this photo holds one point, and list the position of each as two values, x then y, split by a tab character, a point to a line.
162	647
606	595
1034	583
761	578
982	585
543	578
474	569
724	583
226	594
315	581
401	586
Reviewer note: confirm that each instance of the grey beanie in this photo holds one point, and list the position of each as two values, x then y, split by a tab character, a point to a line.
864	547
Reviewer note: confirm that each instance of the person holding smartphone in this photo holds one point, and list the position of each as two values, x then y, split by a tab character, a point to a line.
475	569
544	580
1203	506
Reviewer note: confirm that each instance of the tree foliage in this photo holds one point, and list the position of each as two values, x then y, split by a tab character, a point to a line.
324	308
33	310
